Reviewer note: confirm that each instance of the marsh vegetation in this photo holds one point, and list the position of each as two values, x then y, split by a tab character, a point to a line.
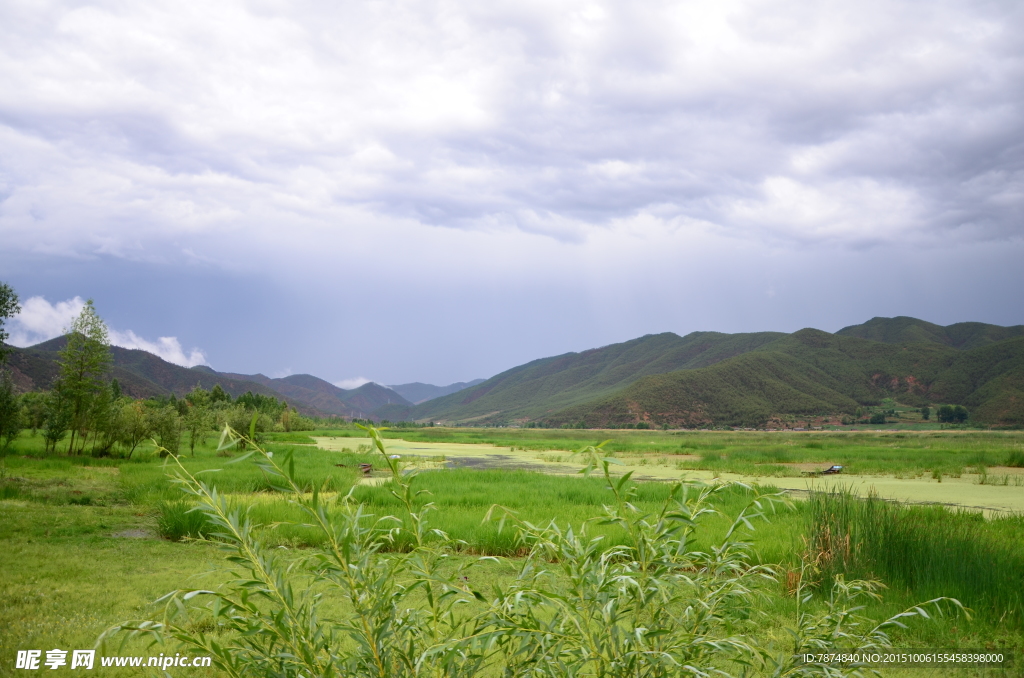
56	505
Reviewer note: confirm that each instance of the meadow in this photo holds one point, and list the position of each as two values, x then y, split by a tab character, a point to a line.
93	541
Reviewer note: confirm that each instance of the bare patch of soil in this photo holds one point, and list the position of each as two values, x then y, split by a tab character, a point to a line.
136	533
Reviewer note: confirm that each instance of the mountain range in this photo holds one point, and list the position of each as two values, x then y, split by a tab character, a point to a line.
143	375
417	392
749	379
703	378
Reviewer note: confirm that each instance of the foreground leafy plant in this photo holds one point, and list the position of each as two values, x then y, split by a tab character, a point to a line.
654	607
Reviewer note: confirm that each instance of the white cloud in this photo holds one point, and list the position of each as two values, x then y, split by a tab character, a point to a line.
168	348
40	320
354	382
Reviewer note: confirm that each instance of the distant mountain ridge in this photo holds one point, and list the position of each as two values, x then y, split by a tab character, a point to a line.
140	374
359	402
143	375
418	392
661	379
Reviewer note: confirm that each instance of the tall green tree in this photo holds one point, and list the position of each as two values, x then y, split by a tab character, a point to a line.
58	419
10	412
134	425
8	309
103	422
10	405
33	410
219	395
198	419
84	362
952	414
165	424
959	414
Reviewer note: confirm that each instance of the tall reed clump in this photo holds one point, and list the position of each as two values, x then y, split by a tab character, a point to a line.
655	606
928	550
179	519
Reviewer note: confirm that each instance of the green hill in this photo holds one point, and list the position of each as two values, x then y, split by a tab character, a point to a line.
745	379
904	330
743	391
543	386
815	373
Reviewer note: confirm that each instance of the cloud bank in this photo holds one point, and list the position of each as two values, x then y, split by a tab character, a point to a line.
40	321
777	121
508	180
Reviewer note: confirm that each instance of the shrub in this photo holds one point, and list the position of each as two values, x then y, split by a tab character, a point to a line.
952	414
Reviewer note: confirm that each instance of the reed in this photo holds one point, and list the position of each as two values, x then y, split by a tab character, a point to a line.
925	550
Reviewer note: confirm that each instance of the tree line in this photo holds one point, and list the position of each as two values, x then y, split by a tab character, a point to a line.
85	411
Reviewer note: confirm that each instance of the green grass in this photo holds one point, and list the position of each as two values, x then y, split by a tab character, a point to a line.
67	576
463	498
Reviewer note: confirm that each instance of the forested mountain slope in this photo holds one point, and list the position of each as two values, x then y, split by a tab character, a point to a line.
815	373
549	384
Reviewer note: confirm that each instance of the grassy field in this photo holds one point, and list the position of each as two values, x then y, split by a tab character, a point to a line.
90	542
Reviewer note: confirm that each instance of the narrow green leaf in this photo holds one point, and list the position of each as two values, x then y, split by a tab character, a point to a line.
243	457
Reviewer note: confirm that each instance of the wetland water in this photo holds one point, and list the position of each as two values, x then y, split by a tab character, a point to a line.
964	491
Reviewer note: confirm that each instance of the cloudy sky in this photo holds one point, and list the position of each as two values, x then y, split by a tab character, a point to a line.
440	190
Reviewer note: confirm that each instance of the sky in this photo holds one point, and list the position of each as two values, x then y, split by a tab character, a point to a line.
438	191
